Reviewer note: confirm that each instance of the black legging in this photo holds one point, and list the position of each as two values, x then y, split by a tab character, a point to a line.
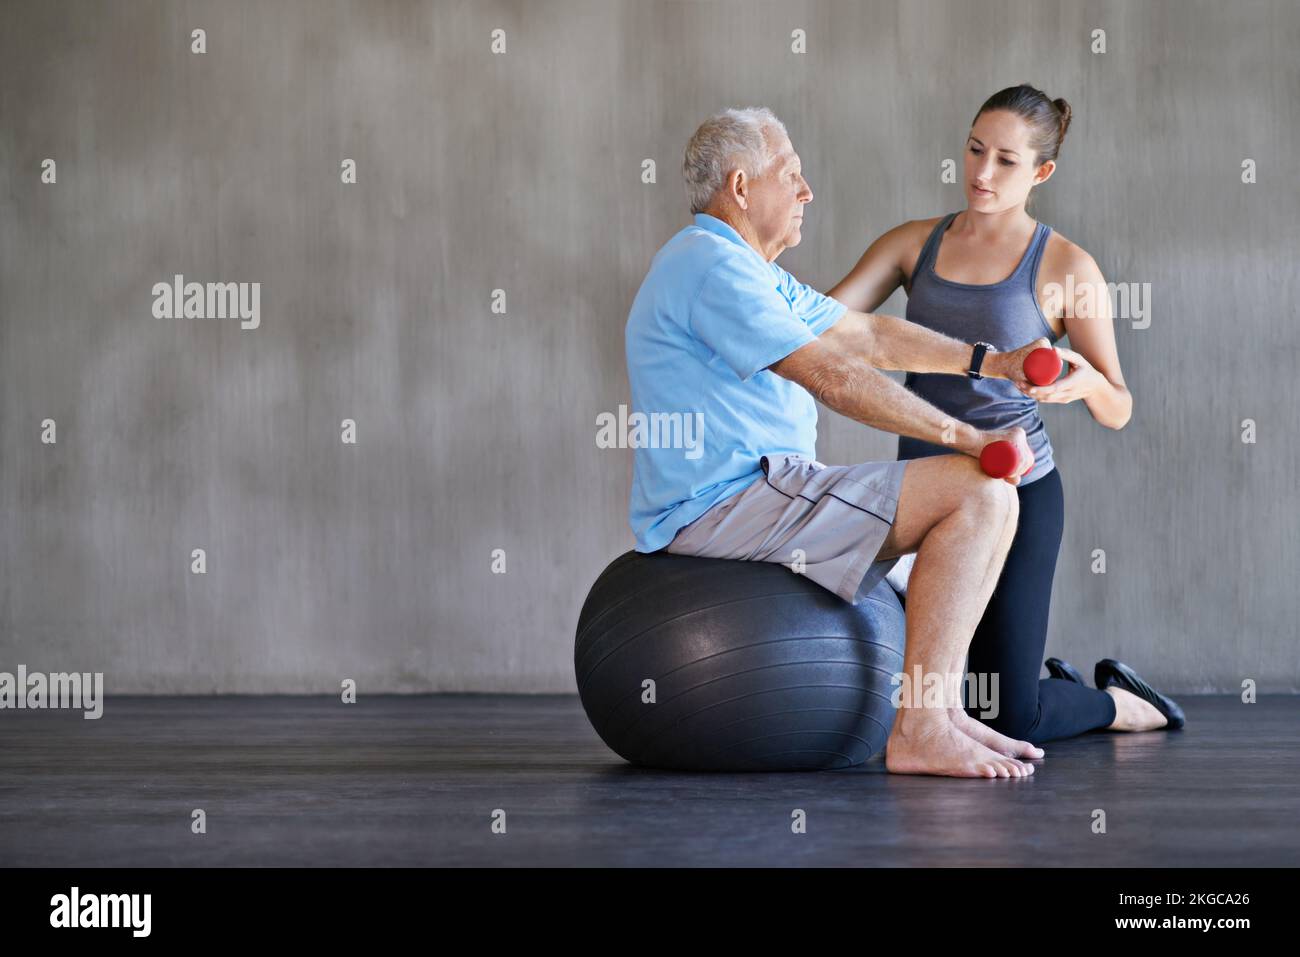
1010	638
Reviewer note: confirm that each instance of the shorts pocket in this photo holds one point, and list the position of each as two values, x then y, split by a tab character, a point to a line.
789	474
864	487
784	464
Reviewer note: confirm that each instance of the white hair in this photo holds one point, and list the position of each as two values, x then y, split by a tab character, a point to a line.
725	141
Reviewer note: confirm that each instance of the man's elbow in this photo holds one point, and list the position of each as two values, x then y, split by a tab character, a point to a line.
821	368
833	387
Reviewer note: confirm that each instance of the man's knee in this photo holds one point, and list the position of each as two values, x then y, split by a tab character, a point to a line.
994	499
951	488
1011	497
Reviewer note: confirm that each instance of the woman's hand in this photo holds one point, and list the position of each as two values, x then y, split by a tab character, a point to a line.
1081	381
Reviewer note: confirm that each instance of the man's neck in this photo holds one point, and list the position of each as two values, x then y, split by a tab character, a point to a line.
738	221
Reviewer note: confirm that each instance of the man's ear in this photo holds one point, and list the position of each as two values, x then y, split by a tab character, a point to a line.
740	188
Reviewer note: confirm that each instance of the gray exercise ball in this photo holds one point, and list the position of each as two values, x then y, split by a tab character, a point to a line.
705	664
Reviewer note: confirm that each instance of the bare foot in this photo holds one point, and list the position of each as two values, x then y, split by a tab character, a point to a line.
986	736
1133	713
925	741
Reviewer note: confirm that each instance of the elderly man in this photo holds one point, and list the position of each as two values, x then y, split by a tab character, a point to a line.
717	329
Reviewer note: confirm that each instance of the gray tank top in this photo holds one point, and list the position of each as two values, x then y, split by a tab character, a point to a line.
1004	313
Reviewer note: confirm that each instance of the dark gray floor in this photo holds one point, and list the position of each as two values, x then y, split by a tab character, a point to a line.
415	780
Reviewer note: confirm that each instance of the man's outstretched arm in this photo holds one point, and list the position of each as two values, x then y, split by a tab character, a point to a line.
850	385
856	390
887	342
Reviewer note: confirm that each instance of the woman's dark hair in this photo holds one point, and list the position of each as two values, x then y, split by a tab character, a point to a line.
1048	119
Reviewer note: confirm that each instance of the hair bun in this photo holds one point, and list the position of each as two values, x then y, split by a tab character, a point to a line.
1065	111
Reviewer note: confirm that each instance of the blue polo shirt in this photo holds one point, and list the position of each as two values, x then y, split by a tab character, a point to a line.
710	317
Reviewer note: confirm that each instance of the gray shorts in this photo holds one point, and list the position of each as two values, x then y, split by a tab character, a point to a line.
825	521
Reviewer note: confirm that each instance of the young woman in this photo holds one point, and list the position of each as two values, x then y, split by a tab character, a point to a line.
990	273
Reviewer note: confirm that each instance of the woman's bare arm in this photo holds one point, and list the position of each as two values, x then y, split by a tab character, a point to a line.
1095	375
878	273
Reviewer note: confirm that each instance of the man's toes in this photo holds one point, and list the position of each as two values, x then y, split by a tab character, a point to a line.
1020	768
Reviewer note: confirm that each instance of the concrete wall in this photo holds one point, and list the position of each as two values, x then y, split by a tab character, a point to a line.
522	172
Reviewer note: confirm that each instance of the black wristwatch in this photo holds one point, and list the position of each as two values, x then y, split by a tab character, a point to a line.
977	358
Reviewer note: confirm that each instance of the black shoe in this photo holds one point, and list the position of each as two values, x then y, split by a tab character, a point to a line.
1064	670
1111	672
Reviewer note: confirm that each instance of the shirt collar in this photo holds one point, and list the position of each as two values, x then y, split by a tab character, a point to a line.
721	228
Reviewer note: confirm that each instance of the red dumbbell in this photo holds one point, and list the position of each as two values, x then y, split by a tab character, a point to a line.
1042	366
999	459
